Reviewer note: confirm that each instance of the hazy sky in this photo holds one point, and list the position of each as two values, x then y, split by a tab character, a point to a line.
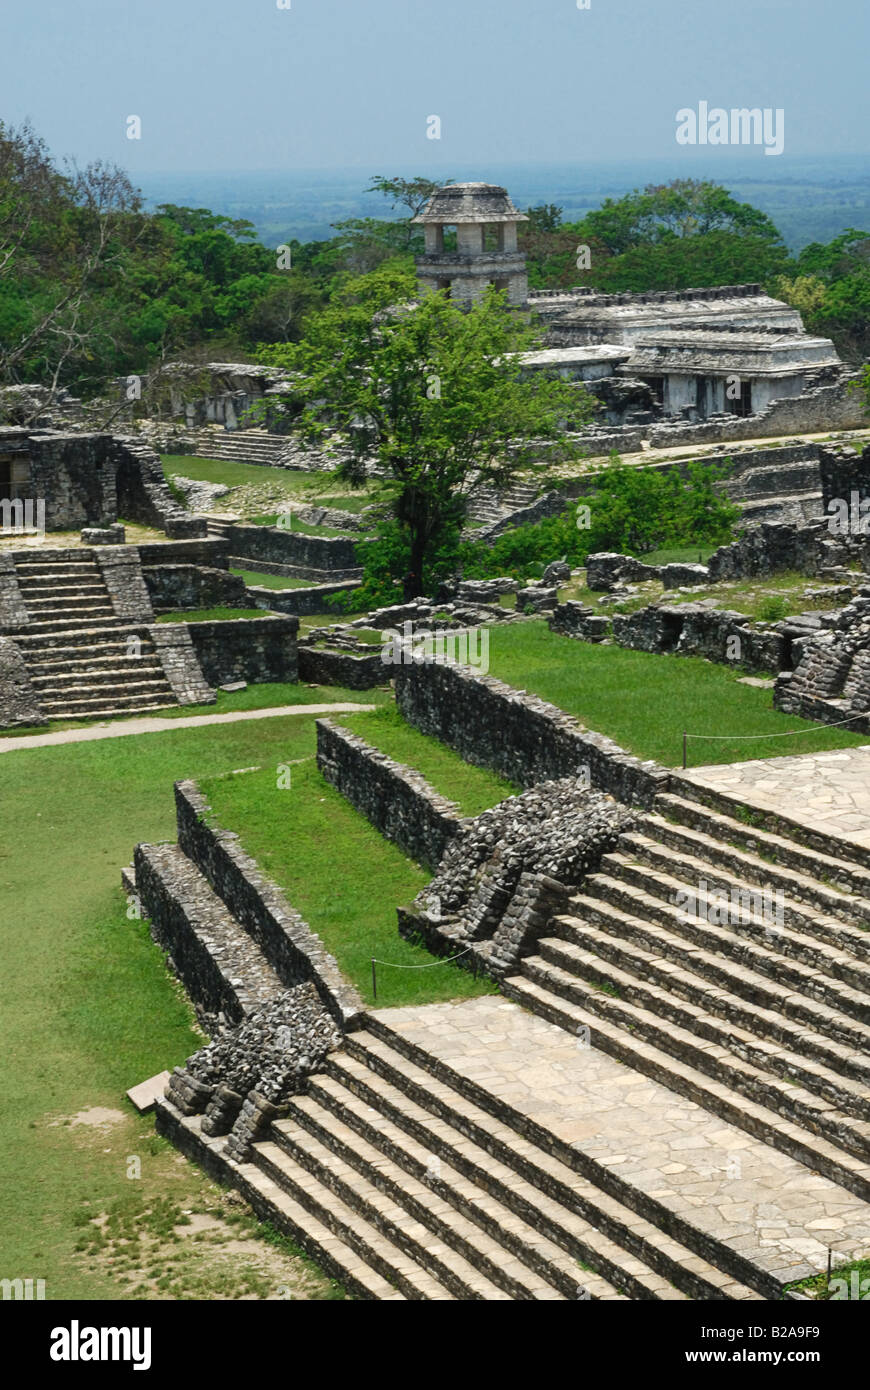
242	84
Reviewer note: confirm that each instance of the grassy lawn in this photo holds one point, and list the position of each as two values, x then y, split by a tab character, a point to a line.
644	701
473	788
273	581
338	871
766	598
89	1008
324	489
265	696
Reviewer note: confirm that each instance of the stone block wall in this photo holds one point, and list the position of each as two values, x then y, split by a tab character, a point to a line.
518	735
272	544
257	650
302	602
19	705
844	471
13	611
173	587
75	475
324	667
295	952
212	553
398	801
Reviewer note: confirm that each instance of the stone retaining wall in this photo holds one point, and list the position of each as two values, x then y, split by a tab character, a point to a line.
302	602
257	650
180	663
397	800
212	552
122	574
13	611
194	586
19	705
516	734
323	667
295	952
295	548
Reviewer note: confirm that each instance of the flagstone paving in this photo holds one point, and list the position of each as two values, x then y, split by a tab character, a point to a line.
822	791
760	1202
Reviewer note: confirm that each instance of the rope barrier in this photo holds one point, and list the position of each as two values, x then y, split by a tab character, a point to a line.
751	738
394	965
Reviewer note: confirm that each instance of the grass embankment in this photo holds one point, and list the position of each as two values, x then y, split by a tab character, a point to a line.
89	1008
340	874
472	788
644	701
765	598
265	696
321	489
273	581
211	615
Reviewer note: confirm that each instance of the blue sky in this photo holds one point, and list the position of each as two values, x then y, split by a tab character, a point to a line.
240	84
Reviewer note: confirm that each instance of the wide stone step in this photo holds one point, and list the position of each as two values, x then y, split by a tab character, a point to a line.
69	627
532	1182
738	978
829	858
70	600
365	1239
131	711
42	586
771	1026
433	1244
850	909
567	1251
787	1081
732	944
65	650
616	1028
80	694
63	678
754	910
105	702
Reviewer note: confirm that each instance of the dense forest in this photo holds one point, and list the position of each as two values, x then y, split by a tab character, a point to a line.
93	286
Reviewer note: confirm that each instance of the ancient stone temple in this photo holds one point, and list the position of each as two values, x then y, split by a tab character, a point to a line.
482	222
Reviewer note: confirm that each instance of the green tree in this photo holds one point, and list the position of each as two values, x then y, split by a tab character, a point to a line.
434	395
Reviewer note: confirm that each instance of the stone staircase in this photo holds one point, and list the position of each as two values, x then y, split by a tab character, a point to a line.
763	1020
486	505
406	1181
79	655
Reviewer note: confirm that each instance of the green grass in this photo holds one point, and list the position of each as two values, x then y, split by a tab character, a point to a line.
340	874
817	1286
304	528
273	581
324	489
89	1008
644	701
473	788
688	555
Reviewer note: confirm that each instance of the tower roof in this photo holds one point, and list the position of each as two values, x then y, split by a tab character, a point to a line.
470	202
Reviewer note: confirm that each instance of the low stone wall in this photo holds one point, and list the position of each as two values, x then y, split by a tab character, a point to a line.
694	630
295	952
324	667
771	548
573	619
122	573
180	663
307	572
398	801
302	602
518	735
257	650
844	471
13	611
273	543
194	586
19	705
212	552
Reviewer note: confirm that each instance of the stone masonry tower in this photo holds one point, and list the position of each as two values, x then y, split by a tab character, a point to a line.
486	252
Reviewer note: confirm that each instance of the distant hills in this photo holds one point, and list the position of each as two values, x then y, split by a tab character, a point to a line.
809	199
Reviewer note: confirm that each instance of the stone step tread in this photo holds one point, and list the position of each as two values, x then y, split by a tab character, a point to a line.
363	1195
685	1079
730	1035
351	1228
727	973
647	966
76	700
762	959
702	848
665	884
467	1118
79	692
112	711
309	1230
145	669
228	943
453	1184
727	827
